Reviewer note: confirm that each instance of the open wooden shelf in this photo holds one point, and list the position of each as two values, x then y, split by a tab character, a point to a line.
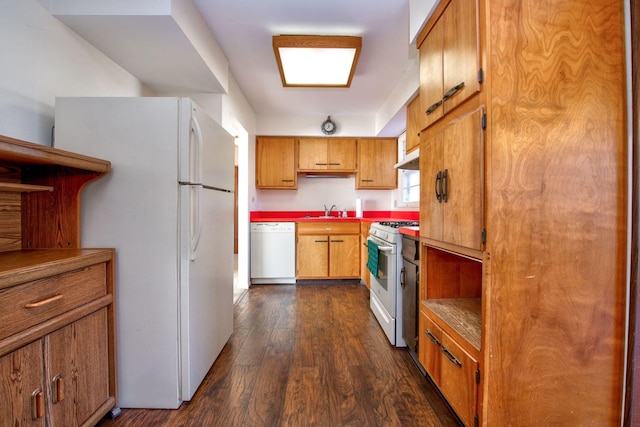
23	188
459	315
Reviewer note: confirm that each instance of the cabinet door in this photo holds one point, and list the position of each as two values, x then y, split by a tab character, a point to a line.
22	388
413	125
364	254
458	379
431	80
341	154
78	369
462	154
344	256
312	257
460	40
312	154
376	158
429	339
431	213
275	163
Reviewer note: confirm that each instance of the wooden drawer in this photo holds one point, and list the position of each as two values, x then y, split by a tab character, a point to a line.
329	227
26	305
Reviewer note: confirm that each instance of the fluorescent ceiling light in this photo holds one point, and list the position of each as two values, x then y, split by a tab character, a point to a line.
317	61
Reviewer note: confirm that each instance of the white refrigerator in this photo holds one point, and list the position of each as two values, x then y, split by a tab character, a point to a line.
167	209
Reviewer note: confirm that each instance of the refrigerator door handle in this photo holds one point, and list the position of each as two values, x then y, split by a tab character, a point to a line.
195	173
195	220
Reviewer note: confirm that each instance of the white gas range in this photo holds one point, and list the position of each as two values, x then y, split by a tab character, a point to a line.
385	257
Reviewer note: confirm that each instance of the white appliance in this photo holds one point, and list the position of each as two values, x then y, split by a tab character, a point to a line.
273	252
385	297
167	208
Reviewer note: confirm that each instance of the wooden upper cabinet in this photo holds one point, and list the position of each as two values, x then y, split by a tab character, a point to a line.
451	197
376	158
449	61
413	125
431	84
326	154
276	163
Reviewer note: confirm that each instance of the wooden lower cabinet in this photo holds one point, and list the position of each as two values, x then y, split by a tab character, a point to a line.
454	371
328	250
78	369
364	254
58	367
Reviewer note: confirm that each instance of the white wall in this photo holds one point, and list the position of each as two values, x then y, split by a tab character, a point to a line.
41	59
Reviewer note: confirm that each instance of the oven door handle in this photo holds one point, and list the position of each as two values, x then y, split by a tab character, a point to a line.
382	248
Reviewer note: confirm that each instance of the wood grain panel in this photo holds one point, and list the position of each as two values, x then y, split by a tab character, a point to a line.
431	75
10	221
557	214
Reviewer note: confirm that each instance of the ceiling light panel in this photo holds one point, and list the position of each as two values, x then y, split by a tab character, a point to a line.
317	61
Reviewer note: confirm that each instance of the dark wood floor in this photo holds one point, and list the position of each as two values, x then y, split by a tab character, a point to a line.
306	355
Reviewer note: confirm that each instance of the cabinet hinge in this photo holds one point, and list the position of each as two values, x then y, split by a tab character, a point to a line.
477	376
484	236
475	420
480	76
483	121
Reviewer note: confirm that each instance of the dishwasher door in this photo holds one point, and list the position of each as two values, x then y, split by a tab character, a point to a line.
273	252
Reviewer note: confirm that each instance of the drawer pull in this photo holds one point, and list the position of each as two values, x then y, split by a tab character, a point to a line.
57	389
432	337
44	301
37	404
451	357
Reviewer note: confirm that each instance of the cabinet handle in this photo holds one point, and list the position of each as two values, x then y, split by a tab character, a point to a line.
366	180
337	241
335	164
321	241
451	357
287	180
445	185
439	186
432	337
433	107
37	404
402	277
448	94
321	164
43	302
57	389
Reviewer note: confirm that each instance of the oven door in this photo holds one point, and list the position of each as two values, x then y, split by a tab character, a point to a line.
383	294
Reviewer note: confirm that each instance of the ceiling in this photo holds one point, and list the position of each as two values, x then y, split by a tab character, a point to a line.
244	28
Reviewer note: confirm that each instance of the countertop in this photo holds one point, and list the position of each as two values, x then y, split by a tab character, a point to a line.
317	216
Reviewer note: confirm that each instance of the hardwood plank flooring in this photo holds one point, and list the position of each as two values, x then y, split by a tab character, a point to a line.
306	355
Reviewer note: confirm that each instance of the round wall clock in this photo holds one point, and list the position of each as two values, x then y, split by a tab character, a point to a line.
328	126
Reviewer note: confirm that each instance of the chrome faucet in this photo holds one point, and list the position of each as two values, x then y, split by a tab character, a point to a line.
327	212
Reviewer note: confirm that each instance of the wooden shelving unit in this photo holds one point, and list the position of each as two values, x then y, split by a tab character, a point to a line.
57	317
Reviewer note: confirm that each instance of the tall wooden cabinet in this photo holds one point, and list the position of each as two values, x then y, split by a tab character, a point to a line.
57	335
538	296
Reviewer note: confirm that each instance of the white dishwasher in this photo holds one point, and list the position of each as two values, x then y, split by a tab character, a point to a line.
273	252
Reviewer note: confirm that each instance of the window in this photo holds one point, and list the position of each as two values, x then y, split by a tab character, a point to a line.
408	180
409	188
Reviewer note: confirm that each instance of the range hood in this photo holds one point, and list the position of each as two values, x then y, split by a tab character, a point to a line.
411	161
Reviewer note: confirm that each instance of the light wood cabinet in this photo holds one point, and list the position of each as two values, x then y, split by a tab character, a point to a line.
553	167
57	334
451	189
364	254
376	158
413	125
276	163
450	70
326	154
452	369
328	250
